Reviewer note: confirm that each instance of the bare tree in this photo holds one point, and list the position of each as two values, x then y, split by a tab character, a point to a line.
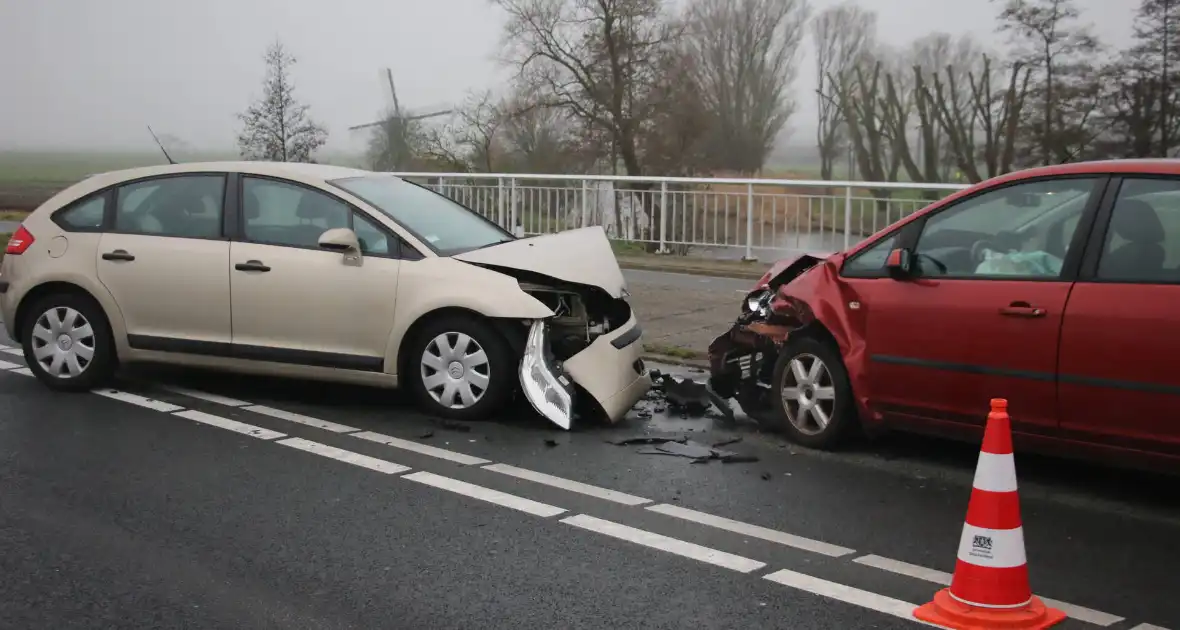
841	35
743	55
1061	53
277	127
1144	106
470	140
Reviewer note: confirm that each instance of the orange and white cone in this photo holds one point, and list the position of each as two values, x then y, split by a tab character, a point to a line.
990	588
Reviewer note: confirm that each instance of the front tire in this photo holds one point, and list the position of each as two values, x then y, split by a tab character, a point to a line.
813	397
67	343
460	368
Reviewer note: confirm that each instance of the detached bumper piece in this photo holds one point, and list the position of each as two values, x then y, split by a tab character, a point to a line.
545	386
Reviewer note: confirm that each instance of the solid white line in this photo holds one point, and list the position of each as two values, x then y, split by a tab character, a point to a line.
300	419
348	457
422	449
230	425
665	543
206	396
754	531
5	365
135	399
846	594
1081	613
486	494
568	484
22	371
17	351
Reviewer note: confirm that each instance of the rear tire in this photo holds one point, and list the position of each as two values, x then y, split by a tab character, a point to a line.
460	368
812	395
67	343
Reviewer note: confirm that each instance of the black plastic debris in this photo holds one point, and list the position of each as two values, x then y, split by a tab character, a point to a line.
727	442
646	439
686	395
686	448
427	435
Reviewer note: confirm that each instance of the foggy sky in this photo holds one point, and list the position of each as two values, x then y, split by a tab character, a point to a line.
92	73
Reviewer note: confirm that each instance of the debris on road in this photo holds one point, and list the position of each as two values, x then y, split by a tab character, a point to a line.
684	447
451	425
732	440
427	435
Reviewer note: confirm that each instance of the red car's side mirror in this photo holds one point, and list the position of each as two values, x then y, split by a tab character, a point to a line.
899	264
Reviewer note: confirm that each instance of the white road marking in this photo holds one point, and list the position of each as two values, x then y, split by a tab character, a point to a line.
665	543
23	371
846	594
422	449
1147	626
230	425
754	531
5	365
348	457
568	484
1081	613
17	351
206	396
135	399
486	494
299	418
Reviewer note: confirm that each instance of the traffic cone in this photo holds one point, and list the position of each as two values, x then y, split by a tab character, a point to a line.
990	588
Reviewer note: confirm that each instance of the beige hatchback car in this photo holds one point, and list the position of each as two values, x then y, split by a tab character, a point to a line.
319	272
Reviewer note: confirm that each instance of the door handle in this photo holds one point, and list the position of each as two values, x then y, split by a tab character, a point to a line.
1022	309
252	265
118	254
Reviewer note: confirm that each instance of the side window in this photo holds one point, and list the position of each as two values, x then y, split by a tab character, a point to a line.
83	216
373	239
182	207
870	263
279	213
407	251
1142	242
1024	230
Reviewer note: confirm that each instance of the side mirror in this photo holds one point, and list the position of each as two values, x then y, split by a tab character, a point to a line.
900	263
341	240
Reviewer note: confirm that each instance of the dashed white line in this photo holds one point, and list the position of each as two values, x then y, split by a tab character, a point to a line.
135	399
568	484
502	499
22	371
5	365
422	449
17	351
1081	613
299	418
754	531
846	594
348	457
205	396
230	425
665	543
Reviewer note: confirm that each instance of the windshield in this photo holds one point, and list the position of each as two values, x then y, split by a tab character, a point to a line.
448	227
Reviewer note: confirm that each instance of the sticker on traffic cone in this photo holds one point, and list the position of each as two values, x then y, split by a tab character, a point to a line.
990	588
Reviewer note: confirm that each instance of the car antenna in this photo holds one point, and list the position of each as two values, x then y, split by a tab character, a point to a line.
169	157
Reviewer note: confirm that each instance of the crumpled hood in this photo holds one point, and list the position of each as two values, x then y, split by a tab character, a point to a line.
582	256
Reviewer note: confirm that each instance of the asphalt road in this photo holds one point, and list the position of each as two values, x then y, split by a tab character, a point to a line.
257	503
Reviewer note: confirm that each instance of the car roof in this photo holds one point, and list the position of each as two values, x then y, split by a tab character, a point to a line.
293	170
1150	166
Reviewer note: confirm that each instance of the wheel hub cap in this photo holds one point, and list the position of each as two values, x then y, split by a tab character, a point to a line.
455	369
64	342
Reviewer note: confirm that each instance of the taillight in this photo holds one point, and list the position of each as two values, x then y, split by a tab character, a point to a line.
21	240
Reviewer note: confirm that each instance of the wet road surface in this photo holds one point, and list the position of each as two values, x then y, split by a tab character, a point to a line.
242	502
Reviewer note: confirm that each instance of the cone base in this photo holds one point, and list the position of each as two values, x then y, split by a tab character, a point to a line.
948	612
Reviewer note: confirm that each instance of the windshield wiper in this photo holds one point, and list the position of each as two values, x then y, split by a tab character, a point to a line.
494	243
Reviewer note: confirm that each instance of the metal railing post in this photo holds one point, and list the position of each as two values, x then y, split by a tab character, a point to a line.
663	218
750	223
582	220
847	217
516	228
500	202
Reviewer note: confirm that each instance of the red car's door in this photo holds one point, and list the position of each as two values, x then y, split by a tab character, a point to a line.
1119	384
980	318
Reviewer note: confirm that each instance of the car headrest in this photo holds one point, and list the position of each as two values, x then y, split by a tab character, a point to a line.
311	207
251	205
1136	221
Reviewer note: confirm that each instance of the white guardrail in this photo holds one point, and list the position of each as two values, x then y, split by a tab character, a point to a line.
719	217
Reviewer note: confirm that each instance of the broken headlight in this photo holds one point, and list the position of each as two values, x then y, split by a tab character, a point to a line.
544	385
758	302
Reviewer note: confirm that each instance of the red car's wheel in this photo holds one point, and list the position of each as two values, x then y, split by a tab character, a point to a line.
812	392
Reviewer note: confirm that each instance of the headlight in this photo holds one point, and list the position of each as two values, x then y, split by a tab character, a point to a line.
758	302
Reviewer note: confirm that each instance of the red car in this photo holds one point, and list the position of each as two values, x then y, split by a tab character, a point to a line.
1057	288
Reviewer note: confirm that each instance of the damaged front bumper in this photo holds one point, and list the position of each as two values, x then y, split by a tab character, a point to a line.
610	370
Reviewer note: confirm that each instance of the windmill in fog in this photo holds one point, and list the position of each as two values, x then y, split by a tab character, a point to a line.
391	141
